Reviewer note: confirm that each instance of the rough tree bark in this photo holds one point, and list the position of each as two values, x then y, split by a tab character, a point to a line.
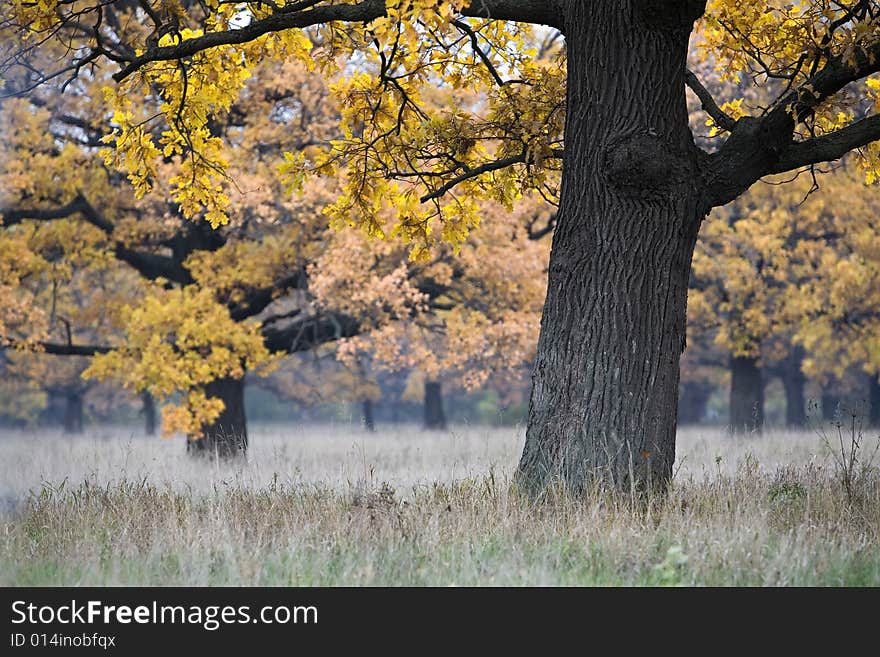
368	419
794	382
694	399
227	437
73	411
746	395
605	382
150	413
435	416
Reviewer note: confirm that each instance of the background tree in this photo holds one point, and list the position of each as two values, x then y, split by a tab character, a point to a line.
484	308
837	295
764	275
207	305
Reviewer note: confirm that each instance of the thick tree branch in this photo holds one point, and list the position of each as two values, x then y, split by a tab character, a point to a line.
152	265
92	215
473	173
308	333
79	205
539	12
761	146
527	11
538	233
13	216
149	265
57	349
257	300
830	147
838	72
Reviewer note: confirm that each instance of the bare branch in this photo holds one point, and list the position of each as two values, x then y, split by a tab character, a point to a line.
473	173
721	118
73	349
149	265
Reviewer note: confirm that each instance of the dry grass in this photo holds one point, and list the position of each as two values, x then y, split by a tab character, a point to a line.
333	506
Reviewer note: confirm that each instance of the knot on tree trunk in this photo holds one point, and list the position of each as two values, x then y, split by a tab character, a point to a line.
647	167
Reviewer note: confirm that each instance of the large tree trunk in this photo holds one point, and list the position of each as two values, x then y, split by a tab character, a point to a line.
226	437
368	419
150	414
830	402
73	411
746	395
794	382
873	400
605	382
435	416
693	402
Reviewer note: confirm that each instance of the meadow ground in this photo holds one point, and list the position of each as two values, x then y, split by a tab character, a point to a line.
332	505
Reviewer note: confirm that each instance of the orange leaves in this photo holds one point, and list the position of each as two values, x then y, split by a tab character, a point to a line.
398	139
21	319
483	313
366	279
240	265
202	139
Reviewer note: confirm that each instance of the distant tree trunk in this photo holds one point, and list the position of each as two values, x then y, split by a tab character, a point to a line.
693	402
746	395
53	414
830	402
227	436
794	381
73	411
874	400
435	416
149	411
369	421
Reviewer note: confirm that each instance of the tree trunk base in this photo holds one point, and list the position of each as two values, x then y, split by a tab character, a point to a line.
226	438
746	396
73	412
218	446
794	381
435	416
151	416
830	405
368	419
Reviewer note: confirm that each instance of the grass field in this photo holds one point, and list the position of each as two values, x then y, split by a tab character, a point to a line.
335	506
